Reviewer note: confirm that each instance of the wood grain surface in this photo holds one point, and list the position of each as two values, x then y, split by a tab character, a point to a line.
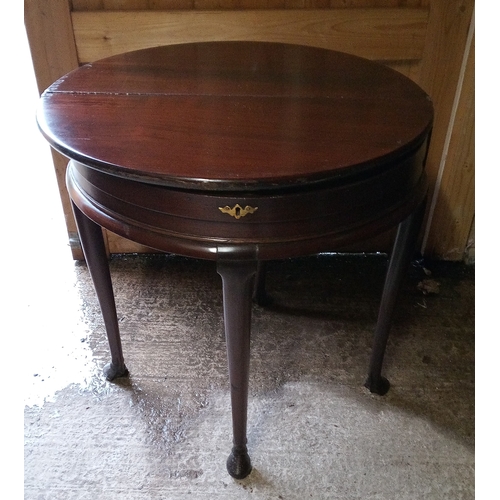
233	115
382	34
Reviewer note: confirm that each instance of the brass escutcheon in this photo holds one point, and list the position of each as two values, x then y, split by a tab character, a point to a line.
238	211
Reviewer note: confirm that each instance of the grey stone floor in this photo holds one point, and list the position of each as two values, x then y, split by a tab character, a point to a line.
314	430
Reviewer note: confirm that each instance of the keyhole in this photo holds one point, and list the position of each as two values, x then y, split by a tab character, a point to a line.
237	211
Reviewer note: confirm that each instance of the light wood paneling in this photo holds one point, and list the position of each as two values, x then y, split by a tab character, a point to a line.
470	249
117	244
440	74
54	54
41	18
453	213
373	33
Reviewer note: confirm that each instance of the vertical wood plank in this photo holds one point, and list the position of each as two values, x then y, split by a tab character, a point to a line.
470	249
442	64
50	36
453	213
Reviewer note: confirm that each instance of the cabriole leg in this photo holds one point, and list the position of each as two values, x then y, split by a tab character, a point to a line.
238	282
95	255
402	252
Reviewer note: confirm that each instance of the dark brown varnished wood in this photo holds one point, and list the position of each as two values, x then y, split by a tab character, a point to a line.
281	113
241	152
238	283
97	261
287	223
404	246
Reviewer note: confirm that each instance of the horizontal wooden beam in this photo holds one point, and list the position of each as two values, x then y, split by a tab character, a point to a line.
384	34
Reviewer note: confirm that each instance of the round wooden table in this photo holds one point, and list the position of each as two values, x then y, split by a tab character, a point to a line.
241	152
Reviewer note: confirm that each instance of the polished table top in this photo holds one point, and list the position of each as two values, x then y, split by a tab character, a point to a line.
241	152
233	115
323	148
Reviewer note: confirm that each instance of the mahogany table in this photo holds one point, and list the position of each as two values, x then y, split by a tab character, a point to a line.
241	152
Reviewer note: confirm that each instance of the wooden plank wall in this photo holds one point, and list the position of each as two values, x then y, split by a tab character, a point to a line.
363	31
428	40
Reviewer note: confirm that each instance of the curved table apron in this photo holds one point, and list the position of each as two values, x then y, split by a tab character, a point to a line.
241	152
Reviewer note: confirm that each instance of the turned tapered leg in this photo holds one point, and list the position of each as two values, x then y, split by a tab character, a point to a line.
237	283
402	252
95	255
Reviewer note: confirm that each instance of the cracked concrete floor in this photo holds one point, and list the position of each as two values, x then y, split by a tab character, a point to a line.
314	430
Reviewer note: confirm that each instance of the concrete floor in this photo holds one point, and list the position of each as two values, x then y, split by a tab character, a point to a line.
314	430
